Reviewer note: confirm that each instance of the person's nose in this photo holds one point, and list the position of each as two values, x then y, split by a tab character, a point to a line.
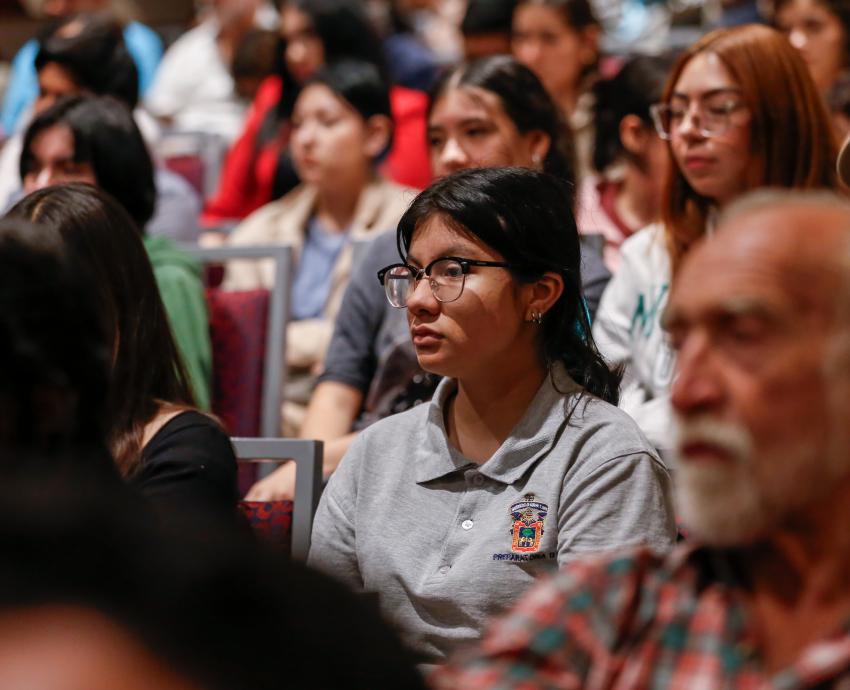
421	301
689	128
528	53
697	385
44	178
452	158
304	135
797	38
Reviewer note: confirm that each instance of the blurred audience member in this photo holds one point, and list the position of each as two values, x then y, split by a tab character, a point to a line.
820	30
258	168
630	159
758	315
143	45
559	41
341	126
410	62
95	140
83	54
254	61
486	28
95	594
194	89
54	380
520	463
160	442
728	109
493	112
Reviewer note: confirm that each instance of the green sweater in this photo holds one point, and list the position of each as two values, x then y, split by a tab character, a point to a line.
181	288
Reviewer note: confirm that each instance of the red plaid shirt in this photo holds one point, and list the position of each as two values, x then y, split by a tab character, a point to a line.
638	621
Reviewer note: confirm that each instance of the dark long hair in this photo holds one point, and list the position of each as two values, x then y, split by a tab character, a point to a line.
637	85
107	138
524	100
526	216
147	369
54	379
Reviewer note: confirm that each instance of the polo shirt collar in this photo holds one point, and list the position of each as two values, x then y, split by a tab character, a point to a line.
532	437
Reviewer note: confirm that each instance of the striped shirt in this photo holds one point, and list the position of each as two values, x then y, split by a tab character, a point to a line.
637	620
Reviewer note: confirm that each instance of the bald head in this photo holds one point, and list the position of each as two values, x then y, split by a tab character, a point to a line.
759	317
795	244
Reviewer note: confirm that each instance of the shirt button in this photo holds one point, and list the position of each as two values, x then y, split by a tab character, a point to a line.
478	480
444	569
467	524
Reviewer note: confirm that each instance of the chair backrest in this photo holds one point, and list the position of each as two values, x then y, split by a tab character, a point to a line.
274	361
307	456
197	156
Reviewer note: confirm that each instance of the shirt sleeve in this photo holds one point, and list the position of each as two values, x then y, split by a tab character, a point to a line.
183	297
334	544
352	357
625	501
612	329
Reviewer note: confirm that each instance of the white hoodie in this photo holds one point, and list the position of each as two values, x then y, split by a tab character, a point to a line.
628	331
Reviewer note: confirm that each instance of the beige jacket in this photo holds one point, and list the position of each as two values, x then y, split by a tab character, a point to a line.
379	209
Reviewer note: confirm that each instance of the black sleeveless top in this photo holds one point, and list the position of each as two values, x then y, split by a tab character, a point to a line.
188	462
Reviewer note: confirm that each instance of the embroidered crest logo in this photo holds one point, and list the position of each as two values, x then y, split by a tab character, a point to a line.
528	516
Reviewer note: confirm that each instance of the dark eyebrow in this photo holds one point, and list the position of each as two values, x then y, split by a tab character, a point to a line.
708	94
452	250
464	123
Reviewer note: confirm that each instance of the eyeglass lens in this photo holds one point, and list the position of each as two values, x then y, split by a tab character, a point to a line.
712	116
445	280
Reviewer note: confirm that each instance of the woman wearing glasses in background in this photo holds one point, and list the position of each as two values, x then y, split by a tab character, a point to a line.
739	111
520	462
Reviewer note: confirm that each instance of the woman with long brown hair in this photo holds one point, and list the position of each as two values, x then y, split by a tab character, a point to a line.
159	441
739	111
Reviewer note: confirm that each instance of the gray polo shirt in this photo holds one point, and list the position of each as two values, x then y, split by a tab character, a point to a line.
447	543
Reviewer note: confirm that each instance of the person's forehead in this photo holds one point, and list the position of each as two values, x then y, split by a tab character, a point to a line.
466	102
704	72
783	258
438	236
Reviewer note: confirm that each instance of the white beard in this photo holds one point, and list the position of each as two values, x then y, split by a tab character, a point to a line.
735	502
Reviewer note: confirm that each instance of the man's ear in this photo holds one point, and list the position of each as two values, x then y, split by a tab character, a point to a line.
378	133
543	293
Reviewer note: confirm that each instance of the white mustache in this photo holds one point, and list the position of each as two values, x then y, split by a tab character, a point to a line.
732	439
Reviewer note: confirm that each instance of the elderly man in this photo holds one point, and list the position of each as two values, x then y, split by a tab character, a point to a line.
760	318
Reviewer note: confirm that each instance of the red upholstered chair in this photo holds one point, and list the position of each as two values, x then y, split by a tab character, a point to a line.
238	328
280	519
196	156
272	520
248	336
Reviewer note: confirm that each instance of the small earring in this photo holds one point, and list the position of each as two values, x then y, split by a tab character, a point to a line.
537	317
536	159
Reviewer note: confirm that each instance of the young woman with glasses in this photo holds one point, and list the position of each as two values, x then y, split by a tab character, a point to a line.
739	111
520	462
489	112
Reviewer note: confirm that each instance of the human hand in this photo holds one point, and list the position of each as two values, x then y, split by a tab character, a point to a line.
278	486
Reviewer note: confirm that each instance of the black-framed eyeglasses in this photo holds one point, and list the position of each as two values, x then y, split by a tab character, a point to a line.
713	115
446	278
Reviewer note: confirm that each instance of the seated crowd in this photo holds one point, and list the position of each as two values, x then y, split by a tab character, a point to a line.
569	321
